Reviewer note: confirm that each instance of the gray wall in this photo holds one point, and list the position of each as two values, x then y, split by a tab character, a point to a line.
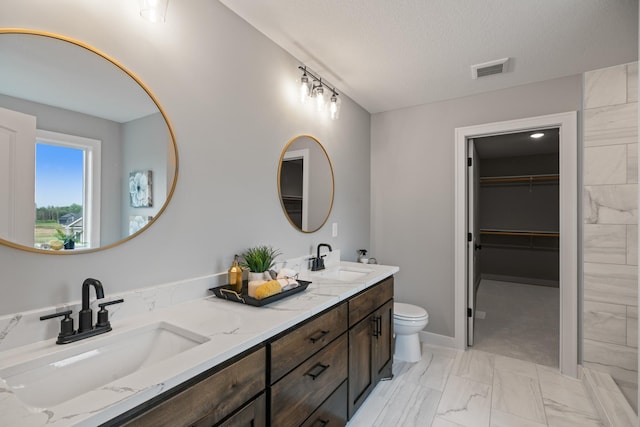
231	96
146	147
412	187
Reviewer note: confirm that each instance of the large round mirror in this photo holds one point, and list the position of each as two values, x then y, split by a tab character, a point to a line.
305	183
87	156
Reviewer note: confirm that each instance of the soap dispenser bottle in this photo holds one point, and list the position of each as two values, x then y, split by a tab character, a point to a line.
362	256
235	275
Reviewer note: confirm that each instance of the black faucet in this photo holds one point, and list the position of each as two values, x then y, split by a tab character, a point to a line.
86	314
317	263
86	328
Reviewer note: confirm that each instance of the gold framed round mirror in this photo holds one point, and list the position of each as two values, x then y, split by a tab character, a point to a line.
305	183
84	141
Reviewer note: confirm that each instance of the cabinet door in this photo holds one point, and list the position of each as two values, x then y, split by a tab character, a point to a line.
383	342
361	362
252	415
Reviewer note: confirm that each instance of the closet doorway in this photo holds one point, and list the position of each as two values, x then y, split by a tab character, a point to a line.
503	228
515	293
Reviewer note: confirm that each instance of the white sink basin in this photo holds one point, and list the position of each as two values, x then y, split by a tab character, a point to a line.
82	367
346	274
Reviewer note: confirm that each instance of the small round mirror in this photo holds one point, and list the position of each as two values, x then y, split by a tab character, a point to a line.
305	183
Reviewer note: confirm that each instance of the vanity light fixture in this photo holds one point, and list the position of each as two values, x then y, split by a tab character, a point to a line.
316	89
536	135
154	10
304	87
319	93
333	107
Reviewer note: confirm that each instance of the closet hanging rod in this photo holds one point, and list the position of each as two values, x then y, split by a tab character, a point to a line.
520	233
520	178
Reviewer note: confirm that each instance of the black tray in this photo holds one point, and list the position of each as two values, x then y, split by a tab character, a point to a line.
225	292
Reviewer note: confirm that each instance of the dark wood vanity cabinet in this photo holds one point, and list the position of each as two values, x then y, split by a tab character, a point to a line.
236	389
370	341
315	374
308	365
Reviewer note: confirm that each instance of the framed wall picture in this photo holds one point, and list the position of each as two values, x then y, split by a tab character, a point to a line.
137	222
140	186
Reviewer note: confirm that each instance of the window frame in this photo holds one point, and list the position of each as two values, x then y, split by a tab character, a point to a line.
91	176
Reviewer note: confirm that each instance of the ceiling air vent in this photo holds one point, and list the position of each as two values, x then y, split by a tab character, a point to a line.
498	66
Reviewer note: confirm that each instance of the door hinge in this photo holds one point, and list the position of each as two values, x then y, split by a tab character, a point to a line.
469	161
469	312
469	237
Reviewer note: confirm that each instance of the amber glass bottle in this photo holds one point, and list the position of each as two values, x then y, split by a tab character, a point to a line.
235	275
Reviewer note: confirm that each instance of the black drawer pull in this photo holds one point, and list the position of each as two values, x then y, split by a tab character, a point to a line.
318	336
317	370
374	324
320	422
379	324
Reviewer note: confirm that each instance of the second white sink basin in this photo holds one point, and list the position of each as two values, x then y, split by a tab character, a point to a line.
346	274
82	367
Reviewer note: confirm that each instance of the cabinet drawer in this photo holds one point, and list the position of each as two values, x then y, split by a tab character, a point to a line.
298	394
333	411
253	415
366	302
295	347
213	398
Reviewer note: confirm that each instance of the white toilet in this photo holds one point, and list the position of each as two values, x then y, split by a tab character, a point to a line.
408	321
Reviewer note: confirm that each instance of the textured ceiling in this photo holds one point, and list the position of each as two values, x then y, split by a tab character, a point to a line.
389	54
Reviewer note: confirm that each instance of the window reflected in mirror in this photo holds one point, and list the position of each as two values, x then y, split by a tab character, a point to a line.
59	193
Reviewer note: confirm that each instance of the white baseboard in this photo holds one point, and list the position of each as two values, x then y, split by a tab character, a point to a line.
437	339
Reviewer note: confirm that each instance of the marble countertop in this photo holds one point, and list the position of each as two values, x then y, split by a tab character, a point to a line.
231	328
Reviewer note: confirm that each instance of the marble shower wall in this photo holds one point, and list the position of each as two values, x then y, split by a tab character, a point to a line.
610	179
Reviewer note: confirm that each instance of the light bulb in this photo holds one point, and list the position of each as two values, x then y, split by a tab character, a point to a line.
320	98
333	107
153	10
304	88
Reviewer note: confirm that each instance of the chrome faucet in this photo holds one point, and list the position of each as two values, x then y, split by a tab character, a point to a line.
86	328
317	263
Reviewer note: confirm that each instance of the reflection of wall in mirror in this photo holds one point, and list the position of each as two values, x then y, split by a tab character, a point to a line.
78	124
319	181
147	146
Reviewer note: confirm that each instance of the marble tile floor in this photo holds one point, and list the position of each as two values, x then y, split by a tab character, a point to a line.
451	388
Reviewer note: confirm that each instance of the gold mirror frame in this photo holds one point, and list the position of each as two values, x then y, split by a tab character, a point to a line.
313	229
160	109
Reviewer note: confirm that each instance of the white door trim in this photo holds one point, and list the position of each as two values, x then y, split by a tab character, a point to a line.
567	122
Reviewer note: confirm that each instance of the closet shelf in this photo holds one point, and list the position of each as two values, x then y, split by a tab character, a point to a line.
530	233
549	178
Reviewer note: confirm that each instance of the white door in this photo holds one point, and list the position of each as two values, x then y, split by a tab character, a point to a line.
473	237
17	176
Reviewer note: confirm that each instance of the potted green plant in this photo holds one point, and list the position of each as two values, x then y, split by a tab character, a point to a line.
259	260
68	237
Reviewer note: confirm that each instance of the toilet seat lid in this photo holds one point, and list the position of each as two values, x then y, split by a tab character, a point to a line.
408	311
